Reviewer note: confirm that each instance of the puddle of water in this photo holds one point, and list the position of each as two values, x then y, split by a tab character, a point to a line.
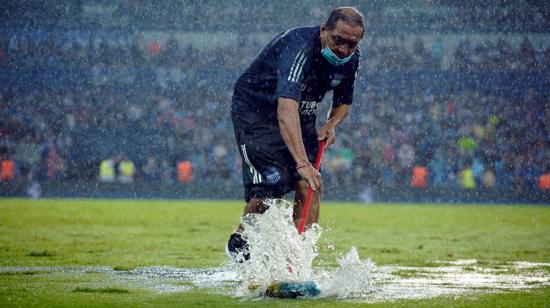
385	283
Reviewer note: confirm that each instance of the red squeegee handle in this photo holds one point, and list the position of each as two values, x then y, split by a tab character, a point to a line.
305	210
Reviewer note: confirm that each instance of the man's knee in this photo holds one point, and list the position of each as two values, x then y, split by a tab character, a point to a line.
256	205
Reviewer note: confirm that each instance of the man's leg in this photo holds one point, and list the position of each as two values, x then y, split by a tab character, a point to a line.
237	246
300	199
254	206
263	174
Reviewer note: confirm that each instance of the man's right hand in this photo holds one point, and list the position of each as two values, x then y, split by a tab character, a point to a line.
312	177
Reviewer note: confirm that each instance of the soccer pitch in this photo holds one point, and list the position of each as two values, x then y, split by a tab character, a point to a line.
81	252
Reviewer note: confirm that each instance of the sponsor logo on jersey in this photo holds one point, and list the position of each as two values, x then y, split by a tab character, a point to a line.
336	80
272	175
308	107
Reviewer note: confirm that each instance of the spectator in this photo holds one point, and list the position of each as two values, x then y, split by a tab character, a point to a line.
126	170
107	170
151	172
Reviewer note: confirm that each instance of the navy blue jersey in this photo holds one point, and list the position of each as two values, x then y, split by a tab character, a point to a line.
292	66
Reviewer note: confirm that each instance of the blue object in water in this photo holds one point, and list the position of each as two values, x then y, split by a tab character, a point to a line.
293	289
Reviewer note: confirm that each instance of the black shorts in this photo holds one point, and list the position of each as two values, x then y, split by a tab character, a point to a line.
269	171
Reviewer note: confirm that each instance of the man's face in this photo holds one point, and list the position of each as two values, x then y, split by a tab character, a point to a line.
343	40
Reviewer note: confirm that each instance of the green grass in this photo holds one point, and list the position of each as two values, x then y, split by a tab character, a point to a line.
128	234
101	290
122	268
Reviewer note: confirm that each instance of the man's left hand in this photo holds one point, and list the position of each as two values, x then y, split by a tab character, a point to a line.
327	133
335	117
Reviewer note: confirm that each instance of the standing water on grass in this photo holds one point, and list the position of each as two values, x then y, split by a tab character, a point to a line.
280	254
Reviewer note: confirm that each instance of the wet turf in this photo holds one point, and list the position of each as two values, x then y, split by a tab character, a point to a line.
129	234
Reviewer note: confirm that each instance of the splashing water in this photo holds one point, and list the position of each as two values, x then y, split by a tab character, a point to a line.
280	254
353	279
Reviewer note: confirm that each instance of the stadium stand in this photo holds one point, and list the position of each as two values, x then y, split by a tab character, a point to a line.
85	82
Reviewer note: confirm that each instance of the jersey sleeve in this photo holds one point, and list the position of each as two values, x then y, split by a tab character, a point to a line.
292	64
343	93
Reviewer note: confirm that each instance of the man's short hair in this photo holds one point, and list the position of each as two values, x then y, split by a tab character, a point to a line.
354	19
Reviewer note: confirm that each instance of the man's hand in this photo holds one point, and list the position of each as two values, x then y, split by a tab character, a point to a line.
335	117
312	177
289	124
327	133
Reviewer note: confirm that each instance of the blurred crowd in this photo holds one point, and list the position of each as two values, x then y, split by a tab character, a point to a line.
65	134
500	55
504	141
82	51
144	128
98	50
501	142
248	15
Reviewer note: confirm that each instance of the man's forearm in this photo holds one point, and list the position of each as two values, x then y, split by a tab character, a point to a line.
337	115
290	128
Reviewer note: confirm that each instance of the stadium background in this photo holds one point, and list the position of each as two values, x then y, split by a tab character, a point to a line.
460	89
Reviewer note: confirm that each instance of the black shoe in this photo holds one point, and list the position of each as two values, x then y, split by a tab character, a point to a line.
237	248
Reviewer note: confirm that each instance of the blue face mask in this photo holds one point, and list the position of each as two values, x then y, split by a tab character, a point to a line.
332	58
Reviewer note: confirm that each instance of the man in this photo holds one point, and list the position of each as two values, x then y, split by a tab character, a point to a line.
273	112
